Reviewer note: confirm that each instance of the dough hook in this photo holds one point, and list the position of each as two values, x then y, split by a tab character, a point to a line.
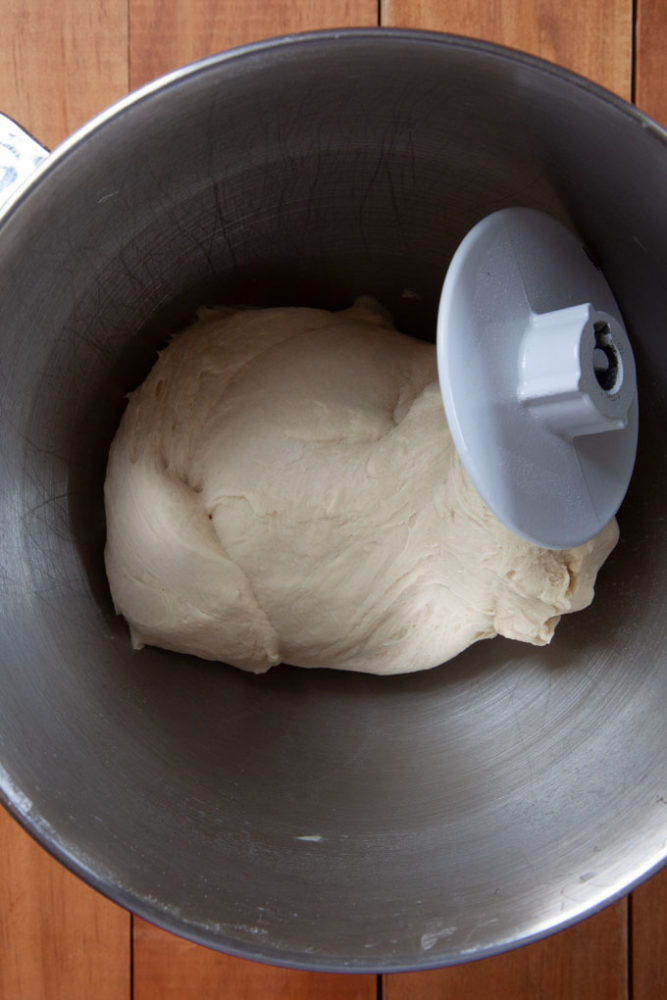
538	378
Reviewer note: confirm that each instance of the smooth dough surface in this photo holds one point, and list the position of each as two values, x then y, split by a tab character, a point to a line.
283	487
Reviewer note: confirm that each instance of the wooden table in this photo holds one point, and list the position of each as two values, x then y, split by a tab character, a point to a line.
62	62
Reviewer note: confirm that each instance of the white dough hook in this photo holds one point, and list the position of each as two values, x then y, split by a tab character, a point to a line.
538	378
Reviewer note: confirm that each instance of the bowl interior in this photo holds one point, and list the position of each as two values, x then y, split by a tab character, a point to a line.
314	818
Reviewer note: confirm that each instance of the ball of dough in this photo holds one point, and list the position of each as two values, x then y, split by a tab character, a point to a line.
284	487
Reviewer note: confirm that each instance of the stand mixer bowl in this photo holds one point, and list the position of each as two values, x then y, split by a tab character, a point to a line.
311	818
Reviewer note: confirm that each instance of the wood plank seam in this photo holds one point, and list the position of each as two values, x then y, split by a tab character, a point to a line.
633	54
629	943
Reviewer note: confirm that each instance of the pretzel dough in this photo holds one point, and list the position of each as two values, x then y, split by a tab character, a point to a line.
284	487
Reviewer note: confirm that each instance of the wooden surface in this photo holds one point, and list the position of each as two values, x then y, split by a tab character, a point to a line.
170	968
58	937
62	62
591	37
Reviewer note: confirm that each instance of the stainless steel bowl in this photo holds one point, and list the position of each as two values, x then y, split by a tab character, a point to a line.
311	818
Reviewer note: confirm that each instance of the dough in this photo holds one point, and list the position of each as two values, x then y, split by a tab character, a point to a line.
284	487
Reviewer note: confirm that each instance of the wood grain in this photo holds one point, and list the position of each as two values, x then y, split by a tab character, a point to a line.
651	59
591	37
584	962
649	939
59	939
594	39
169	968
61	62
166	34
648	927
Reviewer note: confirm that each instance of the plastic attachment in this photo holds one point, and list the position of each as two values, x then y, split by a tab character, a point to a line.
20	155
538	378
